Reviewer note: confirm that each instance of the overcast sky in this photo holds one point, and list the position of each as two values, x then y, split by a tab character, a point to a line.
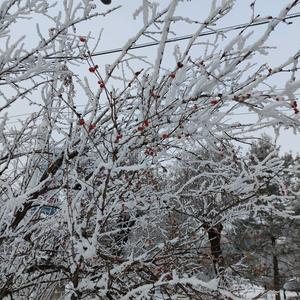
120	26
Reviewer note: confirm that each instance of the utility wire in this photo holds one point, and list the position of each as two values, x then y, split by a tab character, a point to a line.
230	114
66	114
81	105
185	37
176	39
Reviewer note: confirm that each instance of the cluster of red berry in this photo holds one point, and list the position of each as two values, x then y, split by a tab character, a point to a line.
118	137
143	126
81	122
173	74
93	69
294	106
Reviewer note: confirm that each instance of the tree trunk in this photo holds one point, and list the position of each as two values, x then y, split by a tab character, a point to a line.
214	235
276	278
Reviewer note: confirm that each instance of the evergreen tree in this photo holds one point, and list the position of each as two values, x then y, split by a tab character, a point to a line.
270	244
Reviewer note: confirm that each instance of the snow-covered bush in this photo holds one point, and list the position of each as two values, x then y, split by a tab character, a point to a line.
87	195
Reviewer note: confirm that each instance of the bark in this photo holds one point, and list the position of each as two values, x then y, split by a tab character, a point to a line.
214	236
276	277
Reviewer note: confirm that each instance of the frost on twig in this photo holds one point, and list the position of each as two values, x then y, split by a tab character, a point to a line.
120	195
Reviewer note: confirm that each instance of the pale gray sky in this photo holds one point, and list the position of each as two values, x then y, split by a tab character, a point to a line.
120	26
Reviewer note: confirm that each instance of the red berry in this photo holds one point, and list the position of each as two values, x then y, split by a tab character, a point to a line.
156	96
92	69
172	75
81	122
146	123
140	128
92	126
165	136
214	102
102	84
296	110
82	39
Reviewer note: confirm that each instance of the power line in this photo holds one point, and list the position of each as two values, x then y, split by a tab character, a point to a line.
176	39
230	114
184	37
81	105
65	114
